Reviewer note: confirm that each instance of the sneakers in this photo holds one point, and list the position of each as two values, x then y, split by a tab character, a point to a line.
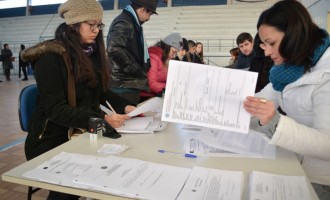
25	79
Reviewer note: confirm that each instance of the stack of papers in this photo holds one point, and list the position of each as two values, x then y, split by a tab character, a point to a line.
142	124
215	142
139	179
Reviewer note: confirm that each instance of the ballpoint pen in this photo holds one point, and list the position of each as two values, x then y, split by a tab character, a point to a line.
112	109
188	155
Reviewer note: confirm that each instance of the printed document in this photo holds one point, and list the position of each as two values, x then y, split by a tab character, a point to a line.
252	144
151	105
120	176
205	184
268	186
208	96
135	178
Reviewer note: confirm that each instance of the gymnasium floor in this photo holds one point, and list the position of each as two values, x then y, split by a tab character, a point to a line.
12	138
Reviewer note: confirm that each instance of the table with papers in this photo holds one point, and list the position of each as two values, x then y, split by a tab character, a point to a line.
208	149
144	147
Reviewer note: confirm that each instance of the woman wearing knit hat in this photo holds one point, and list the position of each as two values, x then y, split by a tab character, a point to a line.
72	75
160	55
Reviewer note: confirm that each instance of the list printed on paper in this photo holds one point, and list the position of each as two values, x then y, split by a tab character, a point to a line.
208	96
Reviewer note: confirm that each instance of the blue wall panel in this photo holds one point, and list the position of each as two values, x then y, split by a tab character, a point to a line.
107	5
12	12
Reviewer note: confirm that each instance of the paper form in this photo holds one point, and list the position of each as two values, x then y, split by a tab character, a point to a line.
196	147
208	96
252	144
209	184
136	125
135	178
62	169
112	174
268	186
151	105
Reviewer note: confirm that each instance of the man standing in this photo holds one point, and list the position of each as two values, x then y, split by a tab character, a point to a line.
128	51
7	62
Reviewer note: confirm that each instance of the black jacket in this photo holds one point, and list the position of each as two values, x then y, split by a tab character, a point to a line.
7	59
126	51
50	122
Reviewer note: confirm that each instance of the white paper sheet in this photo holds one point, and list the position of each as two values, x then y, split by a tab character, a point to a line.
62	169
208	96
112	174
268	186
136	124
135	178
154	104
252	144
206	184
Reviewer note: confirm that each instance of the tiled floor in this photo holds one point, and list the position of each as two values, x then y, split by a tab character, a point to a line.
11	136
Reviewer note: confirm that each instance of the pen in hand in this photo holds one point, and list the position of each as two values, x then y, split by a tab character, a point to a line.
184	154
112	109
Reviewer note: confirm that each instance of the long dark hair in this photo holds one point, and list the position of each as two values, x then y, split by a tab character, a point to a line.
166	50
82	66
301	35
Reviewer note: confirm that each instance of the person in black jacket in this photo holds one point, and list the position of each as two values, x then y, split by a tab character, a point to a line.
7	60
79	50
22	65
128	51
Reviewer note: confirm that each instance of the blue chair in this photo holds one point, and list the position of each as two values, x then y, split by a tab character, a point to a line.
26	105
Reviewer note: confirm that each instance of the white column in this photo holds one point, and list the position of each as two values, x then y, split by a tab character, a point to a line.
116	4
169	3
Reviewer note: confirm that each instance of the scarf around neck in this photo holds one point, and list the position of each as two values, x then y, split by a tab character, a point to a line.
89	48
283	74
146	53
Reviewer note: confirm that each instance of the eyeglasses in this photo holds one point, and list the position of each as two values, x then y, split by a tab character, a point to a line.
94	26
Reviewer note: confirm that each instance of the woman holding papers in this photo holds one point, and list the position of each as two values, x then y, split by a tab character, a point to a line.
77	54
160	55
300	84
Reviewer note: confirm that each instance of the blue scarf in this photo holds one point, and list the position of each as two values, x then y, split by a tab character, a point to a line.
146	53
281	75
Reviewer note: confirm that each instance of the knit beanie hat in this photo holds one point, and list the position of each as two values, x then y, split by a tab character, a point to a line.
173	40
75	11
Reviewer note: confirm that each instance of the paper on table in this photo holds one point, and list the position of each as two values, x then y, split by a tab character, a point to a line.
112	174
112	148
135	178
62	169
208	96
196	147
252	144
205	183
151	105
136	125
268	186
